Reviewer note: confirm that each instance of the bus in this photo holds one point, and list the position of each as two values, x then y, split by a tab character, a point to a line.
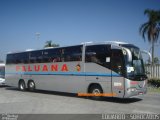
2	74
113	69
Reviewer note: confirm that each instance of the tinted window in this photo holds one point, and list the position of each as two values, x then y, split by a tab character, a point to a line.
73	53
65	54
22	58
98	54
35	56
17	58
10	59
51	55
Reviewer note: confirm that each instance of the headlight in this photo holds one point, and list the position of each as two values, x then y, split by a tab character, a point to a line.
131	89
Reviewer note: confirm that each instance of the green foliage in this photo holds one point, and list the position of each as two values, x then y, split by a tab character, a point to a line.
50	44
156	60
154	82
151	28
154	90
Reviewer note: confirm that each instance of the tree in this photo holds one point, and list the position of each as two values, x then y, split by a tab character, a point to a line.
156	60
50	44
151	28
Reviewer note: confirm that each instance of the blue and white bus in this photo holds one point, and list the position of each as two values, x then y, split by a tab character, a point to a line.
114	69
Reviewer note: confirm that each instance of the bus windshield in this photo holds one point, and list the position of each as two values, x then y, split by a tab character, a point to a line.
137	62
138	67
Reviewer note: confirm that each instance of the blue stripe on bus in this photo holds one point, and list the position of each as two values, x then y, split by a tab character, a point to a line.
67	73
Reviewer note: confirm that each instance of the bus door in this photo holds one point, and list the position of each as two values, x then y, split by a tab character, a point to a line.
117	73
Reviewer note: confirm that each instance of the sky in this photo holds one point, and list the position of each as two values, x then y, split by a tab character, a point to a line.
71	22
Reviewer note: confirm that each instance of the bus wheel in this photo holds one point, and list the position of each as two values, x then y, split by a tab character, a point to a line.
22	85
95	89
31	85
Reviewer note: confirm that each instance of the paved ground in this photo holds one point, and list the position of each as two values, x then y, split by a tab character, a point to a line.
14	101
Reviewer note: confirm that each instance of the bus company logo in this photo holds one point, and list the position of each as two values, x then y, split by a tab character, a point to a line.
78	67
43	68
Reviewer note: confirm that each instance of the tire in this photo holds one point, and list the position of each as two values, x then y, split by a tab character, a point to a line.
31	85
22	85
96	89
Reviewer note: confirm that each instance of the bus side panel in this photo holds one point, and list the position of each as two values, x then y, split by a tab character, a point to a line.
118	85
66	79
98	74
11	76
70	84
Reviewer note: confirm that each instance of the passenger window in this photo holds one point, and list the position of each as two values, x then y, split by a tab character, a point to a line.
17	58
73	53
97	54
10	59
36	57
51	55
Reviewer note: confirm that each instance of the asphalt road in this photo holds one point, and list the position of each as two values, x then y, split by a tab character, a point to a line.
43	102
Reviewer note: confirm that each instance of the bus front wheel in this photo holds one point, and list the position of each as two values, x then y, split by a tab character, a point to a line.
22	85
95	90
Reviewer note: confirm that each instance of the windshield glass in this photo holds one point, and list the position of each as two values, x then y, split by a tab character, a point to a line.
136	67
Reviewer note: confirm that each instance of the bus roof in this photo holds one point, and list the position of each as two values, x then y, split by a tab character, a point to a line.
116	43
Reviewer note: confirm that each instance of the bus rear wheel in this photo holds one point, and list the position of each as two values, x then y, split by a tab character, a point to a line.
96	89
31	85
22	85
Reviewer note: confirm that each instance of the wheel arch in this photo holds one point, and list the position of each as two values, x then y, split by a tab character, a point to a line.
20	81
93	84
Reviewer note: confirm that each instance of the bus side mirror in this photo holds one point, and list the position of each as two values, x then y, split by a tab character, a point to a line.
129	54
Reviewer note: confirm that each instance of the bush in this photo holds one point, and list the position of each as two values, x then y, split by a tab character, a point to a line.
154	82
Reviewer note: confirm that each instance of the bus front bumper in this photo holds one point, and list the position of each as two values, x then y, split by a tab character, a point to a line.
132	92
